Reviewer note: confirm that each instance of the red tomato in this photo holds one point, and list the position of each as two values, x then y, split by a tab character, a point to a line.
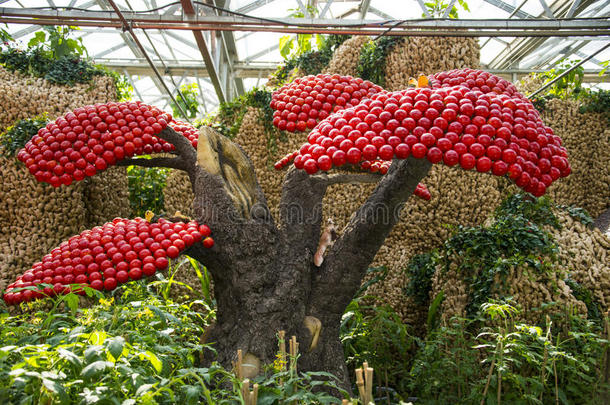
208	242
135	273
110	284
419	150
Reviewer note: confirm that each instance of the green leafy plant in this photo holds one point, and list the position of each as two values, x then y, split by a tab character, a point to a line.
438	8
56	41
570	85
420	271
310	62
371	65
303	42
597	102
16	136
515	239
146	187
378	336
5	37
444	367
578	213
51	54
491	359
132	347
187	100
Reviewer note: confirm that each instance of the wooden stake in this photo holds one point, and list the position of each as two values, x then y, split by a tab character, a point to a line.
238	366
282	338
254	395
368	380
294	351
245	391
360	384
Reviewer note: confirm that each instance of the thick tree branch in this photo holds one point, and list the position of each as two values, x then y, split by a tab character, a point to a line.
183	146
172	163
301	209
341	274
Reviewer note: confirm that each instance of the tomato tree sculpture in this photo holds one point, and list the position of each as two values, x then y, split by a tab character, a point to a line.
265	279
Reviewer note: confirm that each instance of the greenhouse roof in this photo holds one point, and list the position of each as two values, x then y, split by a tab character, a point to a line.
228	47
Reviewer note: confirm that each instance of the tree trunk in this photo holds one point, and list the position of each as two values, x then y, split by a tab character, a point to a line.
264	276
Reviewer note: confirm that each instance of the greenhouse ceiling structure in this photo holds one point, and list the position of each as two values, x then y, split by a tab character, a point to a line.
230	46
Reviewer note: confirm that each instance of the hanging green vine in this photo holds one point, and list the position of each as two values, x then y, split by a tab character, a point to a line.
16	136
373	55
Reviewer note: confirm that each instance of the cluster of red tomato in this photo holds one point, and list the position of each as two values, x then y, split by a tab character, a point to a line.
475	80
501	133
310	99
108	255
91	138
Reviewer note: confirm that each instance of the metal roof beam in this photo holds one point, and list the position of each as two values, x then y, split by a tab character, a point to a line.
128	27
326	8
510	9
547	11
364	8
572	9
110	50
379	13
253	6
230	51
426	27
187	6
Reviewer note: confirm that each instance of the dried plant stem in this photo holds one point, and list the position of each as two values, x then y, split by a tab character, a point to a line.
491	369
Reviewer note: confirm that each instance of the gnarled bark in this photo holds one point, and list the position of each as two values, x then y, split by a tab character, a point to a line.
264	277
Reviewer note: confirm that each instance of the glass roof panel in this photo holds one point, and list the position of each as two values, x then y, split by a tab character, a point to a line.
177	49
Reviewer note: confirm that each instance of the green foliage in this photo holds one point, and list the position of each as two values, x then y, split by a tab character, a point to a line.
378	335
227	120
5	37
492	360
438	8
420	271
579	214
146	187
597	102
582	293
58	59
570	85
311	61
371	65
303	42
16	136
515	239
191	107
133	347
55	42
445	366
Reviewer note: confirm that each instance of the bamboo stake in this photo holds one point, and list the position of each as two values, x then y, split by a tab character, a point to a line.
294	350
238	370
360	384
368	380
254	395
282	337
245	391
